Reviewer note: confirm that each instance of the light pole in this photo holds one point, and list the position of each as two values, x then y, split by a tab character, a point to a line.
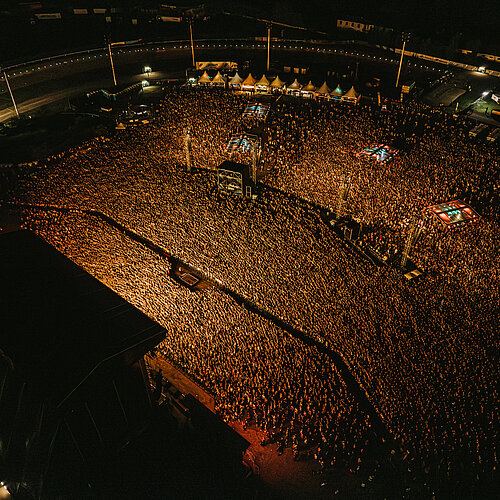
190	21
10	92
255	161
268	43
344	188
187	147
405	37
111	59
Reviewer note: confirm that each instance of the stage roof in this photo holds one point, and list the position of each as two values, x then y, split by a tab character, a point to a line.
454	213
233	166
256	110
242	143
61	327
382	153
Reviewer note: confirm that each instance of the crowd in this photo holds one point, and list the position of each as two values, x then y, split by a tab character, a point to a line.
427	355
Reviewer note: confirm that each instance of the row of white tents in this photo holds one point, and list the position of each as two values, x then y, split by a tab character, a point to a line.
250	84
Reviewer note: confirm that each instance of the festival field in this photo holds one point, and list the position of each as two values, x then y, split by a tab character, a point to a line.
425	354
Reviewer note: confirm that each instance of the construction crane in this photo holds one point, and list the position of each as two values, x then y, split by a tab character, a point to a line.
269	24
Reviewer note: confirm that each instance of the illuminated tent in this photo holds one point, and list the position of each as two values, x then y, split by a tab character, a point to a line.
323	91
218	80
235	81
248	83
262	84
309	87
204	79
351	96
294	88
308	90
277	85
337	93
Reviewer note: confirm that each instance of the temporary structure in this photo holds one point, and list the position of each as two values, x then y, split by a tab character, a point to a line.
323	92
262	85
337	93
204	79
277	85
308	90
218	80
248	83
294	88
351	96
235	82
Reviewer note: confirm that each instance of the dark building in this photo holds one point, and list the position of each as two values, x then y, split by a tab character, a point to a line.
72	381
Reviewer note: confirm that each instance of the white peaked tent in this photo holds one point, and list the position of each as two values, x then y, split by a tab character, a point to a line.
262	84
248	83
294	88
277	85
236	81
323	91
337	93
218	80
351	96
308	90
204	79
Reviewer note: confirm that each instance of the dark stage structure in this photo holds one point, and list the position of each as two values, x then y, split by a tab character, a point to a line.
72	381
233	178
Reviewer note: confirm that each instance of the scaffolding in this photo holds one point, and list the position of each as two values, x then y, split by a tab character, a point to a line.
413	235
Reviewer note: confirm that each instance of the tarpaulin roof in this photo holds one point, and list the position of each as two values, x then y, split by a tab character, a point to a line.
264	82
236	80
295	85
309	87
351	94
204	78
218	78
323	89
249	81
277	83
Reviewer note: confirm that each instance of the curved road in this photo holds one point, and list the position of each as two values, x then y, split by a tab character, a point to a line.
45	81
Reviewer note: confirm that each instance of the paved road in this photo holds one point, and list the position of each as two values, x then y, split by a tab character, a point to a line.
62	77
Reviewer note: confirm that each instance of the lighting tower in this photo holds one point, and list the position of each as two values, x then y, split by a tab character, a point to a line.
187	147
108	41
10	92
413	235
405	37
269	25
190	22
344	188
255	161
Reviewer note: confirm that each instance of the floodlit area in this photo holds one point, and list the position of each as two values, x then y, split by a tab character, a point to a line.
341	360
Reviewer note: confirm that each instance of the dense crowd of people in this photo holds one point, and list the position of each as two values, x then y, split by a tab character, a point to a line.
426	354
